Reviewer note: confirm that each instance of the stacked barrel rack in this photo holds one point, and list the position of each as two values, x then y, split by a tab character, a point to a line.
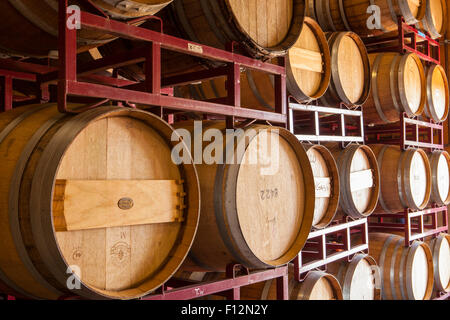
325	245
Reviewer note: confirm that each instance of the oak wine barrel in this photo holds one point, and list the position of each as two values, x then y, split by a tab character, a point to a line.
398	85
92	200
308	70
326	181
435	18
359	180
265	28
358	278
437	104
440	248
350	70
351	15
257	210
405	178
30	27
406	273
440	175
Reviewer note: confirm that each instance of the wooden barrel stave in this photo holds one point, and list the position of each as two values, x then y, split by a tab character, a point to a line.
398	85
358	277
407	273
350	70
241	206
36	254
402	188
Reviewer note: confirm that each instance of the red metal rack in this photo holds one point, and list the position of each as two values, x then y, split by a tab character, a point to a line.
84	80
331	244
412	223
177	289
313	123
408	133
419	43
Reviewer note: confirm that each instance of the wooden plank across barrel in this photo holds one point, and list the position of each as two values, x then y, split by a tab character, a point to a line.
359	180
93	199
327	186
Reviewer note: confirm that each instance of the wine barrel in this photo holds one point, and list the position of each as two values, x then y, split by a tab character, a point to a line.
358	278
326	181
435	18
257	210
398	85
30	28
405	179
308	70
96	193
338	15
440	175
350	70
406	273
317	285
359	180
440	248
436	107
266	29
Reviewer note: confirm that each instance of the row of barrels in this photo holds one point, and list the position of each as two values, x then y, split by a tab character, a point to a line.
61	171
333	66
393	272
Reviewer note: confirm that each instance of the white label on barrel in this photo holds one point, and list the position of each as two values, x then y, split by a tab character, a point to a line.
323	187
361	180
195	48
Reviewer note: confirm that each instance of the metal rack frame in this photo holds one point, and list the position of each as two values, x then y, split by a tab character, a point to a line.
413	231
431	49
321	251
177	289
431	130
343	113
